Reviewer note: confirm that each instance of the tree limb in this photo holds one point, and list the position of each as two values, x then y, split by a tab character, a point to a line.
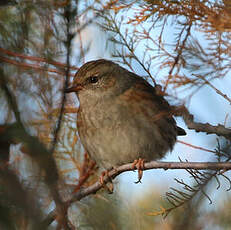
219	129
83	192
152	165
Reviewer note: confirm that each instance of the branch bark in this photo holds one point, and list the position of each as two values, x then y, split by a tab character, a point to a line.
152	165
83	192
219	129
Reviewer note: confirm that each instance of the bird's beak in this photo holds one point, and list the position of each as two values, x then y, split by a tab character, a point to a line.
74	88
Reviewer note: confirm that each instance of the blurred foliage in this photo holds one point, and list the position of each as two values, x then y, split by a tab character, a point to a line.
113	212
184	44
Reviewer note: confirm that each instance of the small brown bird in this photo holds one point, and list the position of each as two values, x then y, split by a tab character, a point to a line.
121	117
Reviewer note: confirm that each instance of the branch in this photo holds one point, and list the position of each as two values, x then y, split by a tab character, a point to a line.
33	66
213	87
37	59
69	19
219	129
152	165
147	166
180	50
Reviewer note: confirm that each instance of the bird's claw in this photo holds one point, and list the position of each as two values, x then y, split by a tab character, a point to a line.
139	165
103	183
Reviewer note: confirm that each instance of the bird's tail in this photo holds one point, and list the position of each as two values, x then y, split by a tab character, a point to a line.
180	131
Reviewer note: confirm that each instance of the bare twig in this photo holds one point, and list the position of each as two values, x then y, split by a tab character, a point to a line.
38	59
32	66
147	166
67	70
180	50
196	147
219	129
153	165
213	87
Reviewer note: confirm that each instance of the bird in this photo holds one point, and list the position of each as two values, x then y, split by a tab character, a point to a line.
121	118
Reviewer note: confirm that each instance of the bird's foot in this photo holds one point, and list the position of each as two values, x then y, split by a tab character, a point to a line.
139	165
109	187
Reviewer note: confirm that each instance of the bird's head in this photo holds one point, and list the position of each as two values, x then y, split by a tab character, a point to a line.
94	76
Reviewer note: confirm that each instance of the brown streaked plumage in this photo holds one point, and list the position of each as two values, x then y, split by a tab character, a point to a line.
121	117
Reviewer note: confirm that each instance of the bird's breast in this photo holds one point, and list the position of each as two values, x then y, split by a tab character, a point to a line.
115	133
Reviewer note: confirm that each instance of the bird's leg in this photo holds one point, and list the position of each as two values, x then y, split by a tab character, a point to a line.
103	183
139	164
86	171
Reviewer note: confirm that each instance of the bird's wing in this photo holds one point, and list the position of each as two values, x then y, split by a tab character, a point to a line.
143	97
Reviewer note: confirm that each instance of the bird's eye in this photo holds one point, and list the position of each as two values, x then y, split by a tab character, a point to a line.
93	79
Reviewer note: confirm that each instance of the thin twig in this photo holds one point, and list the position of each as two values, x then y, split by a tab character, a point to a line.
196	147
213	87
38	59
68	47
32	66
177	58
